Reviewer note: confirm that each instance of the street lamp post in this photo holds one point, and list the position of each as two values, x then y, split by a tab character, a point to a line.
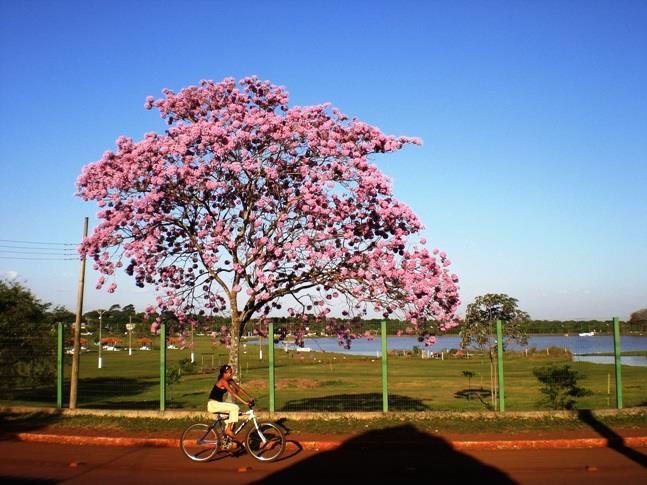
192	345
130	326
100	312
260	346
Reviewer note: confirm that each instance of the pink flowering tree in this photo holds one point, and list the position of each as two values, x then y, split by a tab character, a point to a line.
245	205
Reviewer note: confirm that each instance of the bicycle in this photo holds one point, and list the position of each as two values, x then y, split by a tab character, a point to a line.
265	441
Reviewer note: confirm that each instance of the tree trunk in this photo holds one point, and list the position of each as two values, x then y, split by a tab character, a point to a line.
492	381
235	335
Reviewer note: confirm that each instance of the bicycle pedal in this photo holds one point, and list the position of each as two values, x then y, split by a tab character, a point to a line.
233	447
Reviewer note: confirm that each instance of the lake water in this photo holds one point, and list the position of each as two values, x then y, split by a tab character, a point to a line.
632	360
576	344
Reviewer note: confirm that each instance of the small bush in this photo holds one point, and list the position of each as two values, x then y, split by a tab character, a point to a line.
560	385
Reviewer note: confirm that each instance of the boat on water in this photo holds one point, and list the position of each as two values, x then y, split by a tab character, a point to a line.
586	334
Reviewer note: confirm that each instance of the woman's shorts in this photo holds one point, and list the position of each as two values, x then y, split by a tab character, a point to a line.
224	407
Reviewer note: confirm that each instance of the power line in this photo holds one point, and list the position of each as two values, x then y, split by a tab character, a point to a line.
37	251
32	248
25	250
4	251
40	259
38	242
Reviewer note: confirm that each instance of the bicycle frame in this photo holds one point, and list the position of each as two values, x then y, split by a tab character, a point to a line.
201	441
249	417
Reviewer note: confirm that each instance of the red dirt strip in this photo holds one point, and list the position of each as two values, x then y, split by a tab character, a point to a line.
327	444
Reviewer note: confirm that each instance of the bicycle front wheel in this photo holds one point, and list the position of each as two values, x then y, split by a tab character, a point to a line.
265	443
199	442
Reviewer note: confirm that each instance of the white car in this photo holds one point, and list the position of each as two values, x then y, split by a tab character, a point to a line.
71	351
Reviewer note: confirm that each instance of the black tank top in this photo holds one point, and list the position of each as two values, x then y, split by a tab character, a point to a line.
217	393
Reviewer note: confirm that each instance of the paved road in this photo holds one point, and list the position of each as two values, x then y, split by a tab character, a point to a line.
54	463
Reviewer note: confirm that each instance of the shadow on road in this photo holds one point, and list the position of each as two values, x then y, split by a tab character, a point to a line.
292	449
401	453
20	480
616	442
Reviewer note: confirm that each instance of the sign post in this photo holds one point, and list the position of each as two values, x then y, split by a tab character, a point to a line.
130	327
100	312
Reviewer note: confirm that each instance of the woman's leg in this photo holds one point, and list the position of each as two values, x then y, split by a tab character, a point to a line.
233	410
226	407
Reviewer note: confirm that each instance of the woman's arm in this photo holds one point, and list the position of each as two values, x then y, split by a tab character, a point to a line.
240	390
232	389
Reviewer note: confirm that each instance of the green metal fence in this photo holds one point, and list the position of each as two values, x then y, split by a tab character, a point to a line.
28	365
387	369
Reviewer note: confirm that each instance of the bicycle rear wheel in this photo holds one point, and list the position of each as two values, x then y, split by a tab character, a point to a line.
199	442
265	443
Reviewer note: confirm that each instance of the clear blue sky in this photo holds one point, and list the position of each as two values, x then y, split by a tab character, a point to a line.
533	172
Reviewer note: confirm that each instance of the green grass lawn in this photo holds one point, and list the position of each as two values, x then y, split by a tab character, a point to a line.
318	381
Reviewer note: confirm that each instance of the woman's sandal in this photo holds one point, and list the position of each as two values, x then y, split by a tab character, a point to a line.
234	444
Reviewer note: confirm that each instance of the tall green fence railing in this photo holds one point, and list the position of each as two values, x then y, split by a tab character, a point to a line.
386	368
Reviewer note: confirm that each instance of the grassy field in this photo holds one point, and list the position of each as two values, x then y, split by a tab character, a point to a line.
318	381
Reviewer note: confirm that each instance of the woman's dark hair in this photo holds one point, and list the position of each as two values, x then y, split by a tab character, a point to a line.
223	369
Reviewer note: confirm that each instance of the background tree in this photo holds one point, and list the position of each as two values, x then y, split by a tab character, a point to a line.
114	319
244	206
27	343
478	329
60	314
638	319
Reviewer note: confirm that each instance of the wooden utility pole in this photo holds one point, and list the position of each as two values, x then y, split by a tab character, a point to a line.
74	378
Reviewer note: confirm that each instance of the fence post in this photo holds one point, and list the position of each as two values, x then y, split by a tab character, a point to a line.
385	387
59	366
163	367
618	361
499	354
270	358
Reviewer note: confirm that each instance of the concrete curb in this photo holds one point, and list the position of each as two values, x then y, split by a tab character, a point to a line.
332	445
170	414
550	444
96	440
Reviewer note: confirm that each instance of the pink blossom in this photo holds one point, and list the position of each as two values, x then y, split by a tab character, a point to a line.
207	205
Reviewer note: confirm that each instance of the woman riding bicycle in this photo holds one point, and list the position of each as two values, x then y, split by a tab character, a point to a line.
216	404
